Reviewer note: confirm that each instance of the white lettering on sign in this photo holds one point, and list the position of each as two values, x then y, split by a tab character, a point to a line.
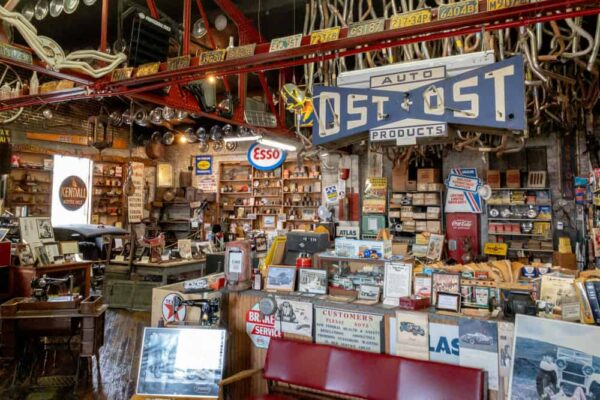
399	134
361	111
499	96
408	80
462	224
329	102
472	98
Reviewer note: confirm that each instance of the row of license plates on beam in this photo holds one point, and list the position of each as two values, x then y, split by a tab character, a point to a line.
398	21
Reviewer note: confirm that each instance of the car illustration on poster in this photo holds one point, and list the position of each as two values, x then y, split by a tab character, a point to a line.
575	369
415	329
476	338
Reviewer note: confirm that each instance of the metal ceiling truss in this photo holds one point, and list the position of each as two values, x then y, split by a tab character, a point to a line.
527	14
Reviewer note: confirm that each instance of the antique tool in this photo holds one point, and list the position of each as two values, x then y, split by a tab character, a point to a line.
41	286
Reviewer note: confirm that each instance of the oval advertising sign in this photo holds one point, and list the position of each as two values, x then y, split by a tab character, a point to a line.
72	193
265	158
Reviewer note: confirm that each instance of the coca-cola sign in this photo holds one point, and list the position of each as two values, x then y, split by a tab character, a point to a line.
72	193
462	224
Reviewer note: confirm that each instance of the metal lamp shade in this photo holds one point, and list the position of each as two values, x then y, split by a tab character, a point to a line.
198	29
41	9
28	11
56	7
71	6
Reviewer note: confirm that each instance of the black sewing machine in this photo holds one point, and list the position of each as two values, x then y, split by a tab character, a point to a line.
209	309
41	286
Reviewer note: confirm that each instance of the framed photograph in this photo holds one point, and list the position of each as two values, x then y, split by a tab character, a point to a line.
181	362
435	247
25	254
422	285
268	221
368	294
52	251
444	282
185	248
312	281
39	253
447	301
45	231
164	175
281	278
70	247
260	243
3	233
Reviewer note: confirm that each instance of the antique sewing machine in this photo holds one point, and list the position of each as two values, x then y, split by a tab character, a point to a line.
32	326
209	309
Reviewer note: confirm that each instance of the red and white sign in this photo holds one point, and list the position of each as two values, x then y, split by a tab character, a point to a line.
265	158
462	232
261	328
463	183
172	308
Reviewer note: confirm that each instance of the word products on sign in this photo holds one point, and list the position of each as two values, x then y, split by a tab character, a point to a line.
265	158
406	135
476	98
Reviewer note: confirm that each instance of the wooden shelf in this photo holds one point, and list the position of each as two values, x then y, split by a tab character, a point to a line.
518	234
521	219
29	169
234	193
532	250
524	188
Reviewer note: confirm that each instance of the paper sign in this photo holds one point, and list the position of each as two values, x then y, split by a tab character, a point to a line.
354	330
495	249
463	183
331	194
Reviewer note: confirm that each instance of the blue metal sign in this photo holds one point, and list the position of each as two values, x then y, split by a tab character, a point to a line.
203	165
492	96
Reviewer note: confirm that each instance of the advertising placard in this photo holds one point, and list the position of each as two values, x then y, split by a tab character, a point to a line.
261	328
354	330
135	202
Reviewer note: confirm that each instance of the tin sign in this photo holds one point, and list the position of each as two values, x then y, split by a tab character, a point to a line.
408	80
211	57
463	183
241	51
411	18
349	232
460	9
495	249
285	43
172	308
261	328
147	69
492	96
408	135
325	35
265	158
366	27
203	165
15	53
120	74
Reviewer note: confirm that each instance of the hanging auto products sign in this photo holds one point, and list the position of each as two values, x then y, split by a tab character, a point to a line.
72	193
492	96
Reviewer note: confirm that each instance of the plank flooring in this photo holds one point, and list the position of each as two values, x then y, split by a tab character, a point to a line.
118	365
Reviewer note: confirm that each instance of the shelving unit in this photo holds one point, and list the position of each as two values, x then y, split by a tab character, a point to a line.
408	217
521	217
247	194
108	201
30	185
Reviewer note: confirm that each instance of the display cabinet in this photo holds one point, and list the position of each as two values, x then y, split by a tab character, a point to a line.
30	184
108	203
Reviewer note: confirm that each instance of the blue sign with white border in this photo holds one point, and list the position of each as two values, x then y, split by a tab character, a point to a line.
492	96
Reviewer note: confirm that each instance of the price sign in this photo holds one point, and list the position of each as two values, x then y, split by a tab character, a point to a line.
460	9
325	35
411	18
366	27
265	158
284	43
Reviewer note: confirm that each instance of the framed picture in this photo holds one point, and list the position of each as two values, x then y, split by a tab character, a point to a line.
368	294
185	248
3	233
260	243
25	254
435	247
312	281
281	278
45	231
447	301
422	285
268	221
164	175
444	282
52	251
39	253
70	247
181	362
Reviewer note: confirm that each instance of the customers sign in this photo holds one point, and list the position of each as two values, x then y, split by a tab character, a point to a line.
72	193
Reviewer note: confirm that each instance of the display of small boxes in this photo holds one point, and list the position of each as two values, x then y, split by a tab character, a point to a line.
421	226
434	226
419	215
433	212
418	199
432	199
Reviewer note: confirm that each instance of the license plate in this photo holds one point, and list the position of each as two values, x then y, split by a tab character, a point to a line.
241	51
325	35
411	18
178	63
366	27
284	43
147	69
493	5
15	53
122	73
211	57
460	9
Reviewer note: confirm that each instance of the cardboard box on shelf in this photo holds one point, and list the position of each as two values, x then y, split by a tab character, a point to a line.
422	186
513	178
493	178
428	175
564	260
421	226
411	185
434	226
399	249
435	187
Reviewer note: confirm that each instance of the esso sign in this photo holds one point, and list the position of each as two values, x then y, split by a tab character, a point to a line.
265	158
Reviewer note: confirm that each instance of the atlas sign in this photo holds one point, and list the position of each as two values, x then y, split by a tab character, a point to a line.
265	158
492	96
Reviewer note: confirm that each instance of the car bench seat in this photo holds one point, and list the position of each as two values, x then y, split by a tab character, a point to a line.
337	371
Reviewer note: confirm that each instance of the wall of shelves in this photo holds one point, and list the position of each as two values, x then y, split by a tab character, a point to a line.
30	184
108	201
260	198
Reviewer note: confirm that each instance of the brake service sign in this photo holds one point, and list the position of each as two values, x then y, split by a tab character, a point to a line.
261	328
265	158
492	96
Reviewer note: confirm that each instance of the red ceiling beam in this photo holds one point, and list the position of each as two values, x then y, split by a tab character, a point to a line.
263	60
187	25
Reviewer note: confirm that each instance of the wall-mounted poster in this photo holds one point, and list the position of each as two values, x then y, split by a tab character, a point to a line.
203	165
164	175
412	335
444	343
181	362
261	328
375	196
554	359
479	347
354	330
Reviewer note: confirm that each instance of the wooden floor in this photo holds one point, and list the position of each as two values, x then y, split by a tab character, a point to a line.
118	365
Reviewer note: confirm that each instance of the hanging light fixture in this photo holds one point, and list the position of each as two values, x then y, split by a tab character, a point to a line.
56	7
198	29
190	135
141	117
28	11
71	6
41	9
156	115
168	138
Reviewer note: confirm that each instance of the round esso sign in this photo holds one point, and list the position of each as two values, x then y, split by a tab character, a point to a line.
265	158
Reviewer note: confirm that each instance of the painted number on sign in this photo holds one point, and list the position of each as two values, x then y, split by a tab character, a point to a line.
325	35
493	5
366	27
